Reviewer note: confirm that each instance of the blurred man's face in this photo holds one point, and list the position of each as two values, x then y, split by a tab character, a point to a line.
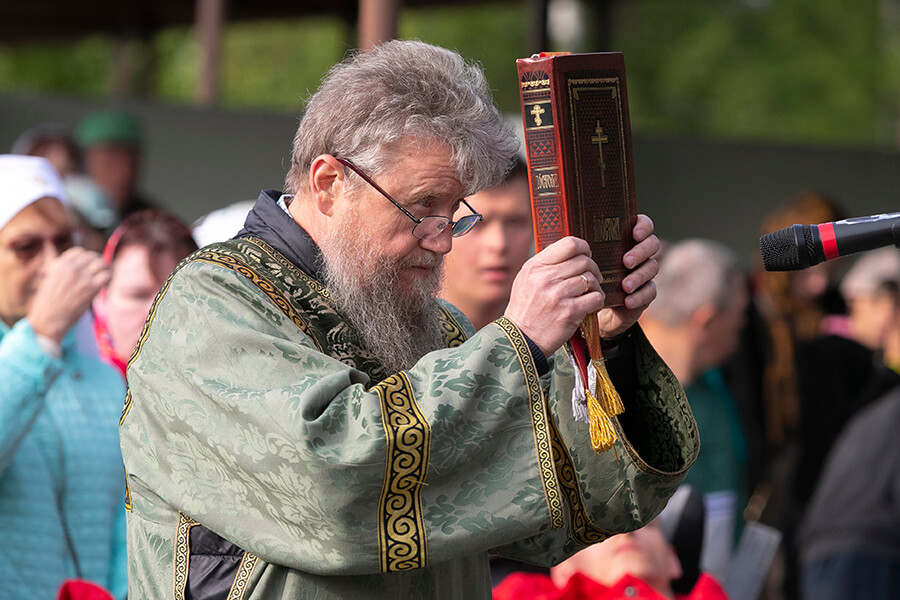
483	264
115	168
34	237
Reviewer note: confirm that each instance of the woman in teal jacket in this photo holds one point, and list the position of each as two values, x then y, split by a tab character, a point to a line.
61	475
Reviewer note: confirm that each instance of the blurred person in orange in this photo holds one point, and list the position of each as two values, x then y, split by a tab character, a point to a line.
793	305
795	308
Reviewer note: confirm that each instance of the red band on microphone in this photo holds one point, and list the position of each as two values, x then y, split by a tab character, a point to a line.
829	243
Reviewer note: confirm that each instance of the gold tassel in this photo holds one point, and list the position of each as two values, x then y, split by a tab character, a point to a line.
611	401
604	401
603	435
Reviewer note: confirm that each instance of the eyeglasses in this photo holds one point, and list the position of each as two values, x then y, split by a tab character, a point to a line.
28	248
426	227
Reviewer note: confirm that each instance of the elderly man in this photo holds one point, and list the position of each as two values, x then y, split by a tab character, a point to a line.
61	482
306	421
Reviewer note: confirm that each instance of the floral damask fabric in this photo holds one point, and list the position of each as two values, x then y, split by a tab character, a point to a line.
255	411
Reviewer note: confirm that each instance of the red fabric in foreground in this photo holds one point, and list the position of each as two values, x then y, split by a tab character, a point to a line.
537	586
76	589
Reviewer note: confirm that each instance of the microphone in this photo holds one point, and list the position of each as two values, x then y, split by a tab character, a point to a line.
801	246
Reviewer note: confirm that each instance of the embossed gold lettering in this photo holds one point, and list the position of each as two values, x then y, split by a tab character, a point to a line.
606	229
548	181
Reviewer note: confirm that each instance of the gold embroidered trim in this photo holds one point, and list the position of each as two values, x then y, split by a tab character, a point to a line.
127	492
181	562
540	422
315	285
245	570
125	410
270	290
126	407
583	531
453	332
146	328
401	525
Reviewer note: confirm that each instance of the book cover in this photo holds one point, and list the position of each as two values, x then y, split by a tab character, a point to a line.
578	148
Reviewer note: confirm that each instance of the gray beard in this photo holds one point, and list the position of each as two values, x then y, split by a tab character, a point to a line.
399	326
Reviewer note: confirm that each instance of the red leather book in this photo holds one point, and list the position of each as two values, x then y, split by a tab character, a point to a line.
578	146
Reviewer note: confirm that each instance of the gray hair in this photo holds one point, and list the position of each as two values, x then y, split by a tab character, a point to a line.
693	273
404	91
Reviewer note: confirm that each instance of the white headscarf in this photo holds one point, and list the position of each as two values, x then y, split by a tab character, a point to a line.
24	180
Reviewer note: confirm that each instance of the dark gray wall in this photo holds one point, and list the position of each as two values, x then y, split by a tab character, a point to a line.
194	160
198	160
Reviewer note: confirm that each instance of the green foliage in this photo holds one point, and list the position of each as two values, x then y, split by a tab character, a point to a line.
267	64
492	34
278	64
790	70
61	67
818	72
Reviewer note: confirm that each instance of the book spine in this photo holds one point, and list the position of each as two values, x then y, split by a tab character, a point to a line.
542	151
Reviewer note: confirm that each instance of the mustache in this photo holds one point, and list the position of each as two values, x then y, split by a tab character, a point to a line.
428	259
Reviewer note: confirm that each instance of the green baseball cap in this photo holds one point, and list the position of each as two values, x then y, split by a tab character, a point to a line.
109	127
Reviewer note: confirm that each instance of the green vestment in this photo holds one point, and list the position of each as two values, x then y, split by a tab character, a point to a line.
254	410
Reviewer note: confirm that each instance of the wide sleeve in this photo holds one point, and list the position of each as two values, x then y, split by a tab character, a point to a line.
239	421
625	487
26	373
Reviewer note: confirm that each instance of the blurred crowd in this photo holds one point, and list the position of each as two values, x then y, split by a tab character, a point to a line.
793	378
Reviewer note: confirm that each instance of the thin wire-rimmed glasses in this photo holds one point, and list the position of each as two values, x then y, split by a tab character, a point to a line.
426	227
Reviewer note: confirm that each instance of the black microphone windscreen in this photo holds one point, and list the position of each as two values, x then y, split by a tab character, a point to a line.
780	251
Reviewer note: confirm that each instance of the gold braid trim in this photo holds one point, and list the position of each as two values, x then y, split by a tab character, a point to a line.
245	570
264	285
401	525
229	262
126	407
127	492
299	273
145	330
583	531
454	335
181	563
540	421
